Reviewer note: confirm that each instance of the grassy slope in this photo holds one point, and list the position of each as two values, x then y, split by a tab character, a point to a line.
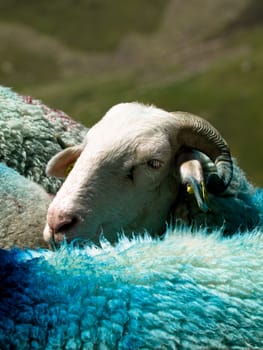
227	90
66	19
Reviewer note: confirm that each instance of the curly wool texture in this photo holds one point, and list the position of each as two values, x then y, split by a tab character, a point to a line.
31	133
186	291
23	208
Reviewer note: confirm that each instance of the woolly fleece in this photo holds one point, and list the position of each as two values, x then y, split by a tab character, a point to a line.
23	209
31	133
185	291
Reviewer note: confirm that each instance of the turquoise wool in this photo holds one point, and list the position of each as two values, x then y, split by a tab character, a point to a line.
188	290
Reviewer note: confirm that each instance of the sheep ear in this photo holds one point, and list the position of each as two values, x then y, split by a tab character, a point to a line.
61	164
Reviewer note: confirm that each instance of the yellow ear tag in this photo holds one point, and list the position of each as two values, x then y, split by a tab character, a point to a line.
69	168
189	189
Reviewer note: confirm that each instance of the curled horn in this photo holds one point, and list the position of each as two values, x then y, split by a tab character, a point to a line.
196	133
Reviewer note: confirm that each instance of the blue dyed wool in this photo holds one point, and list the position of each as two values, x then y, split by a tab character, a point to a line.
185	291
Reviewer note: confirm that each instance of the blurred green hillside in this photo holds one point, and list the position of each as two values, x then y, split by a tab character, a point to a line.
201	56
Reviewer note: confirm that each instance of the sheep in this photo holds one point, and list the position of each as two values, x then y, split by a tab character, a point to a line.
23	207
188	290
31	133
136	170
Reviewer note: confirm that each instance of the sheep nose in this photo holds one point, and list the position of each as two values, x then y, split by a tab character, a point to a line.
60	224
64	223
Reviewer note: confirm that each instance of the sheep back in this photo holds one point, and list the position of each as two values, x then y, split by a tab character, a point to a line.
31	133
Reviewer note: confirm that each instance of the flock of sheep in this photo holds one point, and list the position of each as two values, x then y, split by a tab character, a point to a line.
167	203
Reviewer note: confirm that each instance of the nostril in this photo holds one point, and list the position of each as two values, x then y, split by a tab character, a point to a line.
59	227
67	224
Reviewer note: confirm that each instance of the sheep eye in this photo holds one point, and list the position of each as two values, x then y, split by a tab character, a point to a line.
154	163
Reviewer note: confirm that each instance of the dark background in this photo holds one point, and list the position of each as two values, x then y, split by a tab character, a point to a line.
201	56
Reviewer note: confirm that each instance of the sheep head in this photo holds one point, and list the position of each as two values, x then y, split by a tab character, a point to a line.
128	171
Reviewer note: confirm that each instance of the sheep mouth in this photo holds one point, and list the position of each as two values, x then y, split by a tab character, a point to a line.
57	239
53	239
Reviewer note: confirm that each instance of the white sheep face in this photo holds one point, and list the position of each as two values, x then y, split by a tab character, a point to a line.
123	178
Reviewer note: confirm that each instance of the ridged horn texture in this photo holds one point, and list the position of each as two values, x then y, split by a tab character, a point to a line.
196	133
